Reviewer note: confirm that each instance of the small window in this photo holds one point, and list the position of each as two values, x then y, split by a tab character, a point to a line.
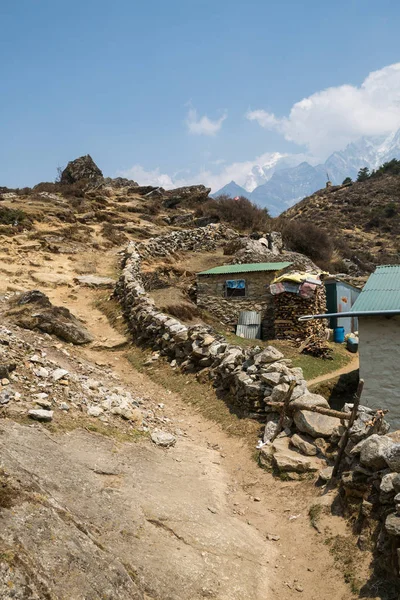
235	288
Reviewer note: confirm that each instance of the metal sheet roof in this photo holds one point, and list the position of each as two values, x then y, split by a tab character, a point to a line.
247	268
381	292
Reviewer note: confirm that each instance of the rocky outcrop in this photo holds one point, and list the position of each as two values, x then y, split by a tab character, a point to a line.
82	168
33	310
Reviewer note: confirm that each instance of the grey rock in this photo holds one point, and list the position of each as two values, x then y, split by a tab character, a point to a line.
95	411
392	457
396	483
42	372
40	414
270	378
163	438
288	461
79	169
373	451
315	424
303	445
268	355
387	483
58	374
309	399
326	474
279	392
392	524
64	406
6	395
94	281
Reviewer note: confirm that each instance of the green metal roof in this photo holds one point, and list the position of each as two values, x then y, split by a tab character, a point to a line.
248	268
382	290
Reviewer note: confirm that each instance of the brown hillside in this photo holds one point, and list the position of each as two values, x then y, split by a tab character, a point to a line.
363	219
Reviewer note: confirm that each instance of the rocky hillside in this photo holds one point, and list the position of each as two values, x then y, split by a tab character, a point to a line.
363	219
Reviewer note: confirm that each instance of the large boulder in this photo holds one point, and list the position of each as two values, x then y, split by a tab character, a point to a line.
190	193
289	461
315	424
373	451
392	457
81	168
309	400
33	310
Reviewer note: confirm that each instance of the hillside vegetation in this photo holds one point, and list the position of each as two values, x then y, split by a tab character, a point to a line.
361	218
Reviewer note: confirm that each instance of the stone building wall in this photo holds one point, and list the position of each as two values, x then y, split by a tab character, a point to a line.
211	297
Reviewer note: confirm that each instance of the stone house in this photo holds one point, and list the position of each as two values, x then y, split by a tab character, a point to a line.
378	311
227	290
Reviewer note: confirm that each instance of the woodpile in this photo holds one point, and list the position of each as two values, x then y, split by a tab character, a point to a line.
317	346
289	307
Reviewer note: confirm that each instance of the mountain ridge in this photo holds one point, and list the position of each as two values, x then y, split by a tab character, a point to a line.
284	185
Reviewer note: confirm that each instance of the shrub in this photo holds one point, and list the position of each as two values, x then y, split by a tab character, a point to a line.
347	181
14	216
307	239
363	174
241	213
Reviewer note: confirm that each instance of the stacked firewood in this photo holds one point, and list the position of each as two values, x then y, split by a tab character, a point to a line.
289	307
317	346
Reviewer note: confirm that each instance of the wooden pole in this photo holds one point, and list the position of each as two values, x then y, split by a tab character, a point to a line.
346	435
285	406
317	409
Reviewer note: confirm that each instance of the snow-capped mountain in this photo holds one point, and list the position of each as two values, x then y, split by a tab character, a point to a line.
283	179
232	189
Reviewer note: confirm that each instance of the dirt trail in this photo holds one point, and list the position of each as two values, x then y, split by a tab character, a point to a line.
351	366
193	520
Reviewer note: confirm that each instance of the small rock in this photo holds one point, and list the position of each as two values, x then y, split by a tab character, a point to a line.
40	415
46	404
212	510
64	406
392	524
273	537
59	374
305	447
95	411
41	372
5	381
326	474
163	438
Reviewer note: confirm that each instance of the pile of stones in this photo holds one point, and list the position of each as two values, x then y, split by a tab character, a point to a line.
41	379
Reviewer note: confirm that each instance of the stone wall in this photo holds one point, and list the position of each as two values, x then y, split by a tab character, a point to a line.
243	373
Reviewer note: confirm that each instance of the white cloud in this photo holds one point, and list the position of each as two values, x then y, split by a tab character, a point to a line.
154	177
330	119
241	172
203	125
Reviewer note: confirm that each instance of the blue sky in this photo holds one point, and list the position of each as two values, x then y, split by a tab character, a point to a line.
186	88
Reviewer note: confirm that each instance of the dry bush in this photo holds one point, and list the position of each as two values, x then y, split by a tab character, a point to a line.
308	239
186	312
15	217
241	213
113	235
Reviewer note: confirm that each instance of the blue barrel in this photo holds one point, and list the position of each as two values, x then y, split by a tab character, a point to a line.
338	335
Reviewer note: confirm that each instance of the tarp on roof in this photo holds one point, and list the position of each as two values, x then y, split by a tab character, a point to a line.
299	277
381	292
246	268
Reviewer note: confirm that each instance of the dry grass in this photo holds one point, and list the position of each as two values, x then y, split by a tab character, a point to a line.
201	396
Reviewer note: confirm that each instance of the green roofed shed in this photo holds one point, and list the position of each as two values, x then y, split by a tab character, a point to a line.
246	268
